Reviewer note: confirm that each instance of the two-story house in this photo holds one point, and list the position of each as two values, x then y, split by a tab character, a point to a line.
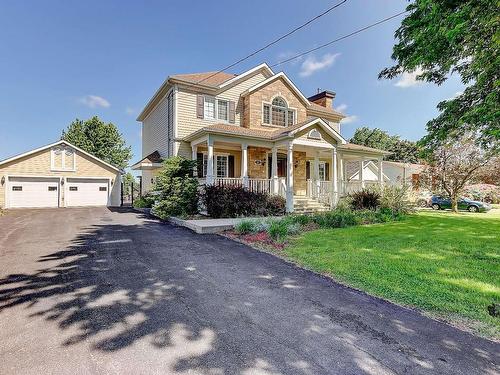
256	129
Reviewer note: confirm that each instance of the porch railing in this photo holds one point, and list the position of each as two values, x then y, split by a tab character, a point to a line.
260	185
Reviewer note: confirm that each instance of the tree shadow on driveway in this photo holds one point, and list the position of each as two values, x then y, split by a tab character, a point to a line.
155	298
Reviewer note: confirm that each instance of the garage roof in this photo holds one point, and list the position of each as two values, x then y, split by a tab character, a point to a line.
5	161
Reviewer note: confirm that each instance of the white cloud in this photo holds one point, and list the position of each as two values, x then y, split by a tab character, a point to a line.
455	95
409	79
94	101
349	119
130	111
311	65
341	108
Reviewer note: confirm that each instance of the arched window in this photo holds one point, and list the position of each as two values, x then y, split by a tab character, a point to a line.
277	113
314	134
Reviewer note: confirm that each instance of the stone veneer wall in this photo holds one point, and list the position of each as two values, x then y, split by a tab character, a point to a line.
260	170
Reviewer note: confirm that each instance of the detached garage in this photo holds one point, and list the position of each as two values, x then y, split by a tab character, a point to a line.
58	175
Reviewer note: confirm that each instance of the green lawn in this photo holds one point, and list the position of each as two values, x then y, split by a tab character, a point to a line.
445	264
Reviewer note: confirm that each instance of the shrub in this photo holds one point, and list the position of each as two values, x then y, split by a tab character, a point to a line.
146	201
365	199
483	192
247	226
235	201
395	200
176	189
336	219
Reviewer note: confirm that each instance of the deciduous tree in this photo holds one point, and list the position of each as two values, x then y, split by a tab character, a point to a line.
99	139
453	164
441	37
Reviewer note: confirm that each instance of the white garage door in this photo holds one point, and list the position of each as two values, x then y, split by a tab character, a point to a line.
33	192
86	192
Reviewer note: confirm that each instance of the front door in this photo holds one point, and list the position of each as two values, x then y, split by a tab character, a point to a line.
281	166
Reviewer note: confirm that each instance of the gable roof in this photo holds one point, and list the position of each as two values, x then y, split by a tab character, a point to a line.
152	159
266	133
5	161
209	78
320	108
212	81
283	76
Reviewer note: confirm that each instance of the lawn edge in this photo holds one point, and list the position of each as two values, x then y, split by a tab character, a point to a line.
427	314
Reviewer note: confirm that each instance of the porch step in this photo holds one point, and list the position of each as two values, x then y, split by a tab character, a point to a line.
304	205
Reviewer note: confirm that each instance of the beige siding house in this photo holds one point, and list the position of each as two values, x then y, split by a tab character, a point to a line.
58	175
255	129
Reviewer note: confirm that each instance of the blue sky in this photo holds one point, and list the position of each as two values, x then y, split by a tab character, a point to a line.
61	60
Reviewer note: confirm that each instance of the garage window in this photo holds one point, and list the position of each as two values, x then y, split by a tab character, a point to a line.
52	188
103	188
73	188
17	188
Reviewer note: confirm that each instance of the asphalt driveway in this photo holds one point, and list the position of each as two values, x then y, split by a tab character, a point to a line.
94	291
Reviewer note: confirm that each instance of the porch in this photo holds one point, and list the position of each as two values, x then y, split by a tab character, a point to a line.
310	176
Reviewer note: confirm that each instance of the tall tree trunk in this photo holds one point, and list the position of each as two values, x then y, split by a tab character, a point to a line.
454	203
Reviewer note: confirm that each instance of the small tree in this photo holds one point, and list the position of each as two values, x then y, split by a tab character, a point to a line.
177	189
453	164
100	139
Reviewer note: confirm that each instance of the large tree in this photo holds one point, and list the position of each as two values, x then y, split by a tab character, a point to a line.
453	165
441	37
100	139
401	150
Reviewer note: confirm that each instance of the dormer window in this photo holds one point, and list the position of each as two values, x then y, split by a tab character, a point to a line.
278	113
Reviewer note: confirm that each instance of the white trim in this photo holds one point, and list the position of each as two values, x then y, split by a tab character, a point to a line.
325	127
175	121
63	160
247	73
287	80
373	168
55	144
305	142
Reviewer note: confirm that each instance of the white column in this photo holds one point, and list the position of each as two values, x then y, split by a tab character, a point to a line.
380	172
340	159
316	183
194	156
210	161
335	189
274	170
289	178
361	172
244	164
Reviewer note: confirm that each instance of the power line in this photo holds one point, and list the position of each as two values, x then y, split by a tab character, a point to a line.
275	41
339	39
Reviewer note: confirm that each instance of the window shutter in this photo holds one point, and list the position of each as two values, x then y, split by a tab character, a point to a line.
230	166
232	110
199	166
308	170
200	102
327	171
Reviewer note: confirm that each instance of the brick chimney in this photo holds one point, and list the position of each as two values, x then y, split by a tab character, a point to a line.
324	98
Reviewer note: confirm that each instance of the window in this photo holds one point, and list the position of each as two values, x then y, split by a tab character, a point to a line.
205	163
322	171
17	188
209	108
221	166
73	188
103	188
52	188
62	158
215	109
314	134
277	113
222	110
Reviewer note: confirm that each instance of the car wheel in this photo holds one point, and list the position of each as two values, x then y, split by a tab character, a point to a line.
422	203
435	206
473	209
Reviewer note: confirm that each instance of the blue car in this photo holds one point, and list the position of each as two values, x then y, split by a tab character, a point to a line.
439	202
